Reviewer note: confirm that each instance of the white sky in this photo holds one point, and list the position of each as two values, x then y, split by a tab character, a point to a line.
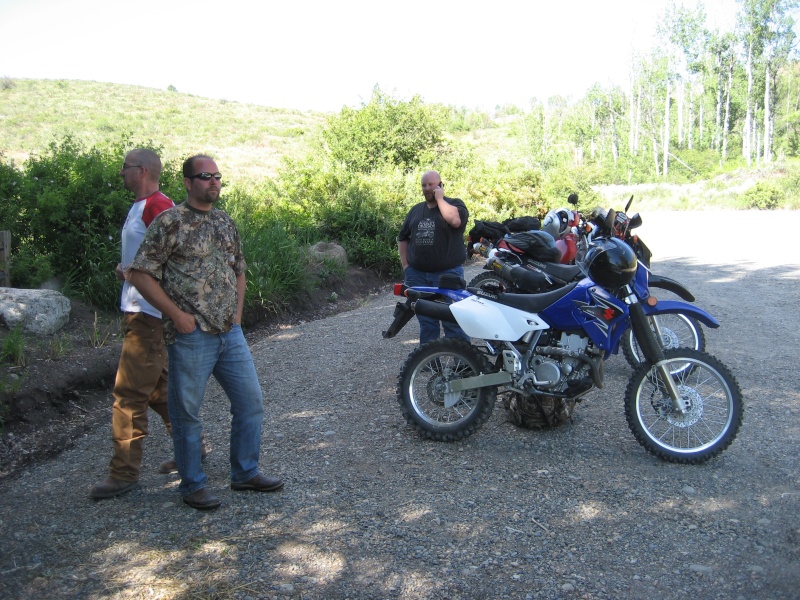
321	55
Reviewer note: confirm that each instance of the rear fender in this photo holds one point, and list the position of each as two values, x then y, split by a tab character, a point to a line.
402	315
666	283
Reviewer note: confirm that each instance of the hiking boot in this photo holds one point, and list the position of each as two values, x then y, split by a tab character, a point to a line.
259	483
202	499
111	488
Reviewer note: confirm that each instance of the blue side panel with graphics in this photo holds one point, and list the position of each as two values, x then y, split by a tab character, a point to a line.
590	308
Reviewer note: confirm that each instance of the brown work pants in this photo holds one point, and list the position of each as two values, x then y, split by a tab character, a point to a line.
141	383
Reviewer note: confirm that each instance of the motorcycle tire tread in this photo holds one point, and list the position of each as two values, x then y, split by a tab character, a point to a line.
487	395
701	456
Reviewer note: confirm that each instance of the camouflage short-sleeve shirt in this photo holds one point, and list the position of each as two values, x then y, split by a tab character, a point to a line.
196	256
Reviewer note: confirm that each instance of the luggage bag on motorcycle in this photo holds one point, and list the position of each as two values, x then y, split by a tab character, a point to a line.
490	230
536	244
518	224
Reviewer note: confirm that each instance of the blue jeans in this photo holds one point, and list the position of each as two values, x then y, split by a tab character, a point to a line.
193	358
428	326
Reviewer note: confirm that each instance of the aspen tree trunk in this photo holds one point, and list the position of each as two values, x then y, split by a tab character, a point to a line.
681	98
665	159
655	154
767	121
727	121
690	126
632	121
638	119
701	136
754	144
716	139
614	140
748	117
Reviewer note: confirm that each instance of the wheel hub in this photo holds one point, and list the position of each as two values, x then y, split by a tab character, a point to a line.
669	339
693	412
436	389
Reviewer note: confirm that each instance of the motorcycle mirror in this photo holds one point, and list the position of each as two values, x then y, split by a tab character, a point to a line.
636	221
628	205
573	198
609	221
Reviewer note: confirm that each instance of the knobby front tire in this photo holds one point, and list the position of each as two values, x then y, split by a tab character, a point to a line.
713	416
420	390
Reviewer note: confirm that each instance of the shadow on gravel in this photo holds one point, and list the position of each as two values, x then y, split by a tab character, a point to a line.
371	510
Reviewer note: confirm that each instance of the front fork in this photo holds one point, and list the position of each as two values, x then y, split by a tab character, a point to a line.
650	345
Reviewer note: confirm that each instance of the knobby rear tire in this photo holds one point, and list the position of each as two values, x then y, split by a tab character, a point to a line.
482	279
421	397
677	331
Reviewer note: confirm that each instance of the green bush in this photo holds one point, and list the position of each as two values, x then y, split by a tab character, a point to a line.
30	270
275	236
385	131
366	223
764	195
561	181
65	209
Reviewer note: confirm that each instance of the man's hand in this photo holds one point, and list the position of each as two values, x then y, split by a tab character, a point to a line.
184	322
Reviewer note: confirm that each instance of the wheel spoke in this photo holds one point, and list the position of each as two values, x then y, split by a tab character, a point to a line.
424	382
712	411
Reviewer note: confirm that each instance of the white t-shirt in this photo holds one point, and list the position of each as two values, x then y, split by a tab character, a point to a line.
141	214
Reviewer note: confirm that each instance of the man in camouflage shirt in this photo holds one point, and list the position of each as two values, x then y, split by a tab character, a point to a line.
190	266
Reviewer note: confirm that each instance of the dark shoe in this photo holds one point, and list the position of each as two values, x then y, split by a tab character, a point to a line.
259	483
202	499
170	466
111	488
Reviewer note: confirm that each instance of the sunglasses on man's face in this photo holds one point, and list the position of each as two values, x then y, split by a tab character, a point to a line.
207	176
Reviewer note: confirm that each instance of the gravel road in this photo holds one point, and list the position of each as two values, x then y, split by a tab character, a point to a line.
371	510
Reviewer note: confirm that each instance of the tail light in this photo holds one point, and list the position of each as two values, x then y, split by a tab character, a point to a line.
399	289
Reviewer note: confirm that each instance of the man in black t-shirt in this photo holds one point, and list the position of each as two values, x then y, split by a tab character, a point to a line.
431	243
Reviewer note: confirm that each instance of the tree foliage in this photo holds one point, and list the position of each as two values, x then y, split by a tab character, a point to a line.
385	132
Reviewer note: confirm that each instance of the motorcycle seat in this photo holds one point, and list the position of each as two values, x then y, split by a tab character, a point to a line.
534	302
563	272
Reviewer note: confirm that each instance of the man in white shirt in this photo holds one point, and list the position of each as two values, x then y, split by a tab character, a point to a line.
141	380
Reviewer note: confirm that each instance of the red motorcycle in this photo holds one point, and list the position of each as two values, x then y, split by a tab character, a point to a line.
605	223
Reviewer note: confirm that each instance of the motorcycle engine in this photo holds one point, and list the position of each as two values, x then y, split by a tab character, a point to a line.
560	365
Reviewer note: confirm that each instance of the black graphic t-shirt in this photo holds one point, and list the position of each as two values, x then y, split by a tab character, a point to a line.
433	245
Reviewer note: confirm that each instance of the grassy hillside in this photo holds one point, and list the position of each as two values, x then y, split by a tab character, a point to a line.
248	140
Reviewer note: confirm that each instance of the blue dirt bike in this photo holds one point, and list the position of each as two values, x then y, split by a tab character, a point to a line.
682	405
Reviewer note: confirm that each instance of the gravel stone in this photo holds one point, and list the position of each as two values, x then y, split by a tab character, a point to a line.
371	510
